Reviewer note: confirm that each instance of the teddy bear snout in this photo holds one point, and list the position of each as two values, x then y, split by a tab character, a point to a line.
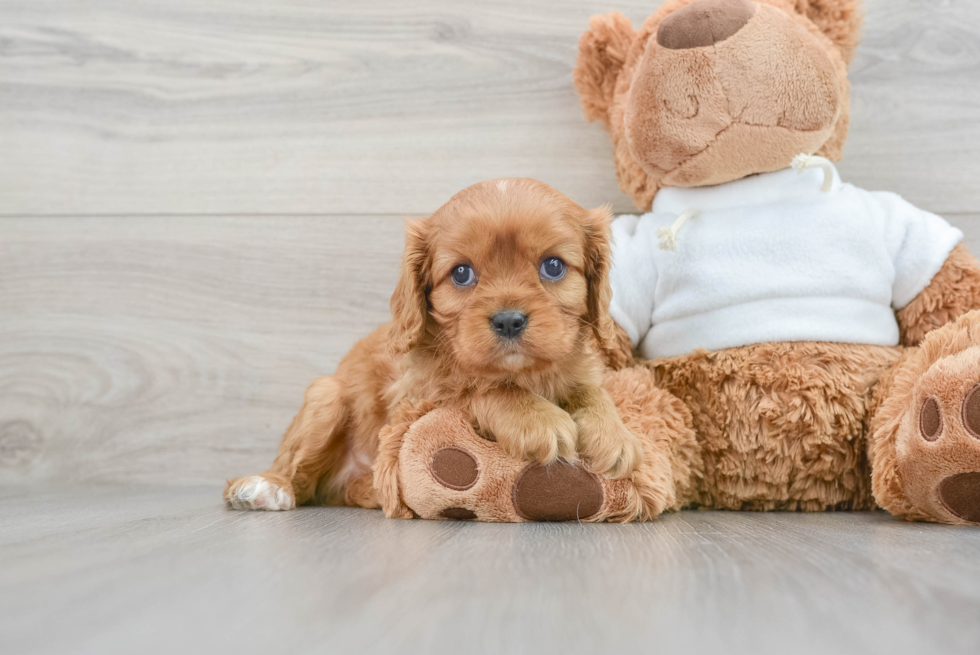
704	23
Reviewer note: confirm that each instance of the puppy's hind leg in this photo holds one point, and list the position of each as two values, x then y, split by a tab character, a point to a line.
310	449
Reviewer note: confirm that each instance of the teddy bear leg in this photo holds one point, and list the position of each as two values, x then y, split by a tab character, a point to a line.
447	471
924	445
672	467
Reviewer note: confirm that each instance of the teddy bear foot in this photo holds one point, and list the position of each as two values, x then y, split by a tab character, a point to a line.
439	468
935	469
939	446
449	472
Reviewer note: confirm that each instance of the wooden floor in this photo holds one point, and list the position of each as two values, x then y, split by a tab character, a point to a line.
107	570
200	211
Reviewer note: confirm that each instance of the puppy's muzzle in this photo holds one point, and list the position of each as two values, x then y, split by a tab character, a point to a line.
509	324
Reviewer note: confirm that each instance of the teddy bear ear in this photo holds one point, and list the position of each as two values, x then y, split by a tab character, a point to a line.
840	20
602	51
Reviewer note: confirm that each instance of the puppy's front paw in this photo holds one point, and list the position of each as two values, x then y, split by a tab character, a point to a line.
609	447
543	435
256	492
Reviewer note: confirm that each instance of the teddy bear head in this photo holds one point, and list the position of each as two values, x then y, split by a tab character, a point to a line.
711	91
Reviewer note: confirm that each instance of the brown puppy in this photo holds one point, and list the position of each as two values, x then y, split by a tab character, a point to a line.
502	311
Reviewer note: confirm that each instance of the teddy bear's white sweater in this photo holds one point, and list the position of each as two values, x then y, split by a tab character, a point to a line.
773	258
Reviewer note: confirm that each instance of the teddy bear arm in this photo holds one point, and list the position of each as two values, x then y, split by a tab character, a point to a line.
954	291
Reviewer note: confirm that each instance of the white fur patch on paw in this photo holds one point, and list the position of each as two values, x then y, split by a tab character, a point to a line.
256	492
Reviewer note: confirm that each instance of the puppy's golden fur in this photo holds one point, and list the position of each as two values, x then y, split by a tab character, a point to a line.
538	394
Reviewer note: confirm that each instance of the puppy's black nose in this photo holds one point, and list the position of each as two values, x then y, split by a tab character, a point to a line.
509	324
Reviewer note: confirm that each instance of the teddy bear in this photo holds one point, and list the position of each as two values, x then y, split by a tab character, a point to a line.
434	465
788	341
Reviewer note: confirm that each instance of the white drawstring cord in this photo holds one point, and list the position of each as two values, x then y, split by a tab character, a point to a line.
668	235
805	162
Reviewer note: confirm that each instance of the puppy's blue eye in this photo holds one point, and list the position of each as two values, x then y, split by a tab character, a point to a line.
552	269
463	276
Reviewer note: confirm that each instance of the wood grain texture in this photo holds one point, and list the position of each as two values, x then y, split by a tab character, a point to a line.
175	347
382	106
175	350
127	570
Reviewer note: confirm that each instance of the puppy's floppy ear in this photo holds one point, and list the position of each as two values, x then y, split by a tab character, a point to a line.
598	261
409	305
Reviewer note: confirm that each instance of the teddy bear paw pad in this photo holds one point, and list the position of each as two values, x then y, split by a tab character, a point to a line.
960	494
941	467
454	468
930	420
458	514
971	412
558	492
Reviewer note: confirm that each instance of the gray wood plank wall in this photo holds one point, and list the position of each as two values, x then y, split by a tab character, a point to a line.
200	201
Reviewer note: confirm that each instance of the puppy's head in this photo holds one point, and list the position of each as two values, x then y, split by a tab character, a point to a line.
509	276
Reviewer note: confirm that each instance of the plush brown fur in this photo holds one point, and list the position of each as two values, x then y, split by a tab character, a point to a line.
952	293
908	468
840	20
781	425
664	480
707	115
538	395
